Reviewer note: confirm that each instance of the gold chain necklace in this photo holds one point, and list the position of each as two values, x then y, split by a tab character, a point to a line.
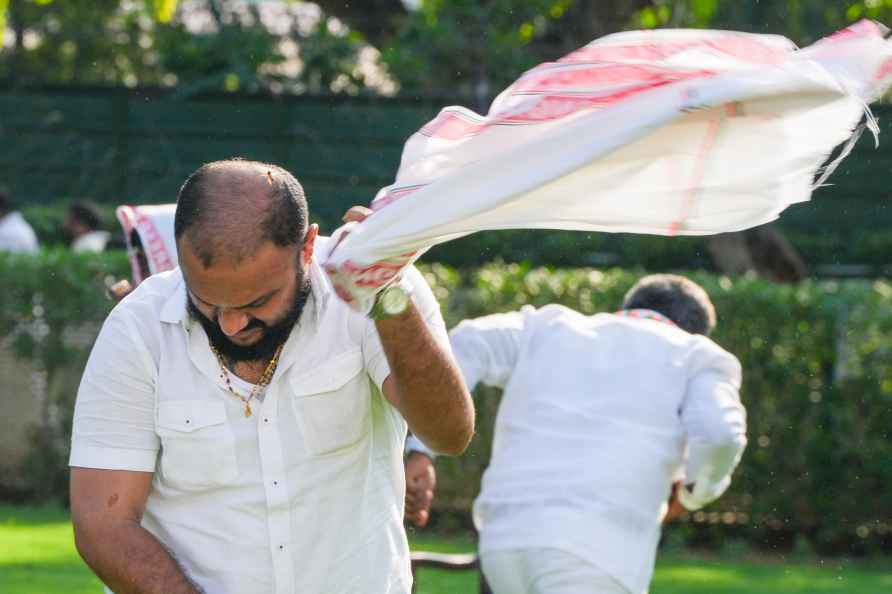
264	379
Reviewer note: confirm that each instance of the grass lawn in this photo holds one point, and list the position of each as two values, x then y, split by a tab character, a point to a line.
37	556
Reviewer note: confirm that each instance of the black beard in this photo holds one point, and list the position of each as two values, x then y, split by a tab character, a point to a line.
273	335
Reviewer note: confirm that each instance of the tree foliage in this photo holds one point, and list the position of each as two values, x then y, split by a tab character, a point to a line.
475	48
455	47
207	44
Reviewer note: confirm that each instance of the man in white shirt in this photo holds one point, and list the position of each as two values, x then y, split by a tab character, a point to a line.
238	427
83	226
16	235
152	225
602	419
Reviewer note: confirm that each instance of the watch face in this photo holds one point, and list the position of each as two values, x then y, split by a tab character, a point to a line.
394	300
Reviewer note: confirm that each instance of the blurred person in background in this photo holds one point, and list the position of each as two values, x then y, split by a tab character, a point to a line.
609	425
16	235
83	226
153	225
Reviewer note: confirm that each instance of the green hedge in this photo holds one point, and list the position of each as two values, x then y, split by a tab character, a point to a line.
817	361
45	301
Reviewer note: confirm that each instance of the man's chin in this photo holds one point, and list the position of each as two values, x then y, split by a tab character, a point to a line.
252	351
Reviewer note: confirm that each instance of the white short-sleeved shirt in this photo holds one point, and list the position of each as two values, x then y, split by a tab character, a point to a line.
304	496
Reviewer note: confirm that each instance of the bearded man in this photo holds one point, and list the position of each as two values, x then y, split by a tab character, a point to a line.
239	428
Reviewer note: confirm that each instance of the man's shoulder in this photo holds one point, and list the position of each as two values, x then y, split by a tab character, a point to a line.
663	331
705	344
550	312
706	354
148	300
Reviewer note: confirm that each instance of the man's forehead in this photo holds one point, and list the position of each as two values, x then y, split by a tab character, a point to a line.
229	283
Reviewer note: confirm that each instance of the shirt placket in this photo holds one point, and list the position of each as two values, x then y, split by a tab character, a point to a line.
273	474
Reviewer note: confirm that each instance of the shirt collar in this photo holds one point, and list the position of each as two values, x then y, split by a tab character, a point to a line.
645	314
174	310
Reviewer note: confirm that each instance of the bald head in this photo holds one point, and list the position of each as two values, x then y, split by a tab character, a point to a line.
229	209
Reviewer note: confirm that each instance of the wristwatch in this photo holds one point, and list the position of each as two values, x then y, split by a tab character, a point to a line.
685	496
392	301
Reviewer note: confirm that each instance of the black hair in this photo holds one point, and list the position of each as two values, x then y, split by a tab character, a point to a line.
86	213
227	213
680	299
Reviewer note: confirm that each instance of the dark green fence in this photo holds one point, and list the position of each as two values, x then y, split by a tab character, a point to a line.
118	146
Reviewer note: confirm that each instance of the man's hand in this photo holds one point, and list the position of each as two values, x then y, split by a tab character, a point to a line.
356	214
423	377
118	290
421	480
676	509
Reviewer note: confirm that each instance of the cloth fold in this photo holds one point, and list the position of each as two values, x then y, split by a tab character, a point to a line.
668	132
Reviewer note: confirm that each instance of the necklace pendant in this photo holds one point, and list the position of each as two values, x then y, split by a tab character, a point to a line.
247	410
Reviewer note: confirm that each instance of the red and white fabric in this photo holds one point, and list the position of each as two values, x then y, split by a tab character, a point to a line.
668	132
154	225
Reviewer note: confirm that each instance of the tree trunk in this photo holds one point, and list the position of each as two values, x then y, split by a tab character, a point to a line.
763	251
377	20
17	24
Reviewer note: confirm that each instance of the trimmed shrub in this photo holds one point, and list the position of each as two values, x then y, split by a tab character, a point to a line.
817	361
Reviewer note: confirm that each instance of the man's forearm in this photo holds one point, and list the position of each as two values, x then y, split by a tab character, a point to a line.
130	560
431	394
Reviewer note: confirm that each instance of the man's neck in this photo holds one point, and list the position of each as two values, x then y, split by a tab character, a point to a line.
249	371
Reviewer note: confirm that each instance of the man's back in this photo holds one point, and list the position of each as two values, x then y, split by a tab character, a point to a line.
592	428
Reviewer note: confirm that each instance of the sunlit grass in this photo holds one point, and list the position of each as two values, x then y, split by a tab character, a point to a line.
37	556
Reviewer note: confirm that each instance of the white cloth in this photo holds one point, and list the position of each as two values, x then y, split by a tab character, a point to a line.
545	571
92	241
306	495
592	428
16	235
154	225
667	132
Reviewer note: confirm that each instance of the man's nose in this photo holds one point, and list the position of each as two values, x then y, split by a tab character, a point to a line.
232	321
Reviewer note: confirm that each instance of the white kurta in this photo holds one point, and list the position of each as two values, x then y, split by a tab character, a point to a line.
306	495
591	432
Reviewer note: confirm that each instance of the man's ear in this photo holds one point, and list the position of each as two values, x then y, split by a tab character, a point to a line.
306	252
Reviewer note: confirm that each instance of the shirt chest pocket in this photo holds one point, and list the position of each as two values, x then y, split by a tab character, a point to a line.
332	403
197	444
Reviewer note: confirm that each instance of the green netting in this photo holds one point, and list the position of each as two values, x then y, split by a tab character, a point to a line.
117	147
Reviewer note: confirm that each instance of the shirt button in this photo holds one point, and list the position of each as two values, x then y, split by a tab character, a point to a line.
275	483
266	419
281	547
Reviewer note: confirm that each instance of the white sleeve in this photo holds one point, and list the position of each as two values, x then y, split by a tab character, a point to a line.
427	304
413	444
486	348
715	423
114	415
